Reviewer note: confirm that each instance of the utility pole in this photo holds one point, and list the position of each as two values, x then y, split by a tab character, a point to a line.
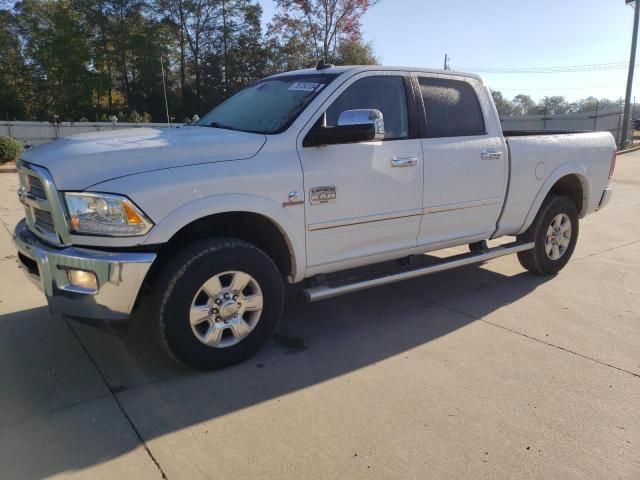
632	64
164	88
446	62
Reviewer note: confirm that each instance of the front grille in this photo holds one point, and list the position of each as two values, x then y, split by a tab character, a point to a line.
41	202
35	187
44	220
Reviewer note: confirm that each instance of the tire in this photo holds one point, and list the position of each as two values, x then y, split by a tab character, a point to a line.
478	247
194	280
552	250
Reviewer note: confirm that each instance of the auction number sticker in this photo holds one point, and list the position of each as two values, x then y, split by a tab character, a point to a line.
305	86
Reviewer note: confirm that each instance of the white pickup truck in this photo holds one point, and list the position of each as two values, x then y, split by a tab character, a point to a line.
296	178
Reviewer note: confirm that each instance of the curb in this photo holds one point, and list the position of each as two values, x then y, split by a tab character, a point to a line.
628	150
9	167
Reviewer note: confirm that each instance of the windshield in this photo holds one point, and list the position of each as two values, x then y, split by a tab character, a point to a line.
268	106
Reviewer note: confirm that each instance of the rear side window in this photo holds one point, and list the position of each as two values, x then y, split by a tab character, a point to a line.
452	108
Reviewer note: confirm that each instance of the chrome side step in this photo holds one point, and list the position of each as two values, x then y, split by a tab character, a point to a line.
322	292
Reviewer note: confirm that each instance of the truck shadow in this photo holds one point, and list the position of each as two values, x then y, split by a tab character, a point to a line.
315	343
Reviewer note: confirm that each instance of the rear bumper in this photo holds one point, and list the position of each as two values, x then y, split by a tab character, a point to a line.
605	199
119	277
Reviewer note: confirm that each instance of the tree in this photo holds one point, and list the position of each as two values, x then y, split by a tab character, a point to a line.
522	105
356	52
59	54
148	42
502	105
173	13
12	73
555	105
198	16
235	55
317	28
239	37
92	59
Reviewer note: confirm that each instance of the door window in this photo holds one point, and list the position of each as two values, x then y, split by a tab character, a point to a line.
384	93
452	108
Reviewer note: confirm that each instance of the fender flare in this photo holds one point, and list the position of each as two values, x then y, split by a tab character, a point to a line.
188	213
570	168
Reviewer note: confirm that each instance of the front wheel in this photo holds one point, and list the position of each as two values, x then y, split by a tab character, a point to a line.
555	233
217	302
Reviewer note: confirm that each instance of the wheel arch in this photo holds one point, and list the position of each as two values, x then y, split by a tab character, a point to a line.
254	219
570	180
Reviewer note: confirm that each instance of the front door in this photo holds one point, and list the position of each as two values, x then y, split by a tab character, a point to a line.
363	199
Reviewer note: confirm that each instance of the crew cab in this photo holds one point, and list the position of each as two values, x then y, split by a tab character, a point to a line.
298	177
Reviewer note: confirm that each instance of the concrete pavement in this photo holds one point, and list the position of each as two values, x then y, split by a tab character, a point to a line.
485	372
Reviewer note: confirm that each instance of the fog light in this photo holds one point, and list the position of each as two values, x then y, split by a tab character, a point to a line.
83	279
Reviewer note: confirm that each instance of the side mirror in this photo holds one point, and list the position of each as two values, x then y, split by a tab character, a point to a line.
361	125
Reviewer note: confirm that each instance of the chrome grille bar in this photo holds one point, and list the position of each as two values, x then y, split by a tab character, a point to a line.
44	220
36	188
43	206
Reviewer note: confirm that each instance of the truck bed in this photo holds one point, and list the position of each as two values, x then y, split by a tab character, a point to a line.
538	160
532	133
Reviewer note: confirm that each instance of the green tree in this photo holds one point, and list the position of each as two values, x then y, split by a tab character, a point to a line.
90	59
174	14
147	42
522	105
13	69
356	52
555	105
502	105
103	45
56	44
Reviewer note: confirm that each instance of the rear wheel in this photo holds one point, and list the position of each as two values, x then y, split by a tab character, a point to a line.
217	302
555	233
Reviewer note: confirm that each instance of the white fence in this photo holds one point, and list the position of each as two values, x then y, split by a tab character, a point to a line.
610	121
37	133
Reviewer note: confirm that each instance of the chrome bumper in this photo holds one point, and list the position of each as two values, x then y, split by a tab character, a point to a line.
119	276
606	198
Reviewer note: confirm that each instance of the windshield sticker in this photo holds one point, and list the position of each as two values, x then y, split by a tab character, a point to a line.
306	86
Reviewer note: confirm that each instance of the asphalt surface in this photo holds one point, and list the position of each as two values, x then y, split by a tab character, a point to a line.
484	372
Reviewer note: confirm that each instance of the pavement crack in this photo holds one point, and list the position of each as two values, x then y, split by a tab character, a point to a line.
604	251
537	339
53	411
120	406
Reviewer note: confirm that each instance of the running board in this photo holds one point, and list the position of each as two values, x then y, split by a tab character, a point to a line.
322	292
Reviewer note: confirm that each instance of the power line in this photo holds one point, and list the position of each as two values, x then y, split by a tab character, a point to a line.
559	88
558	69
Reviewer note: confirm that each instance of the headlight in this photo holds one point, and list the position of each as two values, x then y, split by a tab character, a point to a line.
105	214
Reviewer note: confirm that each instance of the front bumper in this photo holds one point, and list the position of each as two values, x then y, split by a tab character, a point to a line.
605	199
119	276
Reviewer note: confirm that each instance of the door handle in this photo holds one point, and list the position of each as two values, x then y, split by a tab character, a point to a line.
491	155
404	162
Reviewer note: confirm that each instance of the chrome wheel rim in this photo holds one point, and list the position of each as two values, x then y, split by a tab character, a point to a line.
558	236
225	309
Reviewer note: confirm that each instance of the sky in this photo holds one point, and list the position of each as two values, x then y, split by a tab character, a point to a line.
498	34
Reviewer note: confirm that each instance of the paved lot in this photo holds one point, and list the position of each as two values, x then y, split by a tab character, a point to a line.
485	372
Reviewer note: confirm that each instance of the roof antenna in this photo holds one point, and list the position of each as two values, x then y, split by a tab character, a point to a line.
322	66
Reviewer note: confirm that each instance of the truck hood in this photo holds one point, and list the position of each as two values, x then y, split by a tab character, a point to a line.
79	161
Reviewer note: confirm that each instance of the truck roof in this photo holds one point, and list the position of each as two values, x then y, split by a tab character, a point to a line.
364	68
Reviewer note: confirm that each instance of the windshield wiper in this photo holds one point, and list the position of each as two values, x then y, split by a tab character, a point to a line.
222	126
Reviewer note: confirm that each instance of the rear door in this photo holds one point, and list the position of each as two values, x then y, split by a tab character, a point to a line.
364	199
465	160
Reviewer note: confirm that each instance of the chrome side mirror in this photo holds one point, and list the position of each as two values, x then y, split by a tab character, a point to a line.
364	117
